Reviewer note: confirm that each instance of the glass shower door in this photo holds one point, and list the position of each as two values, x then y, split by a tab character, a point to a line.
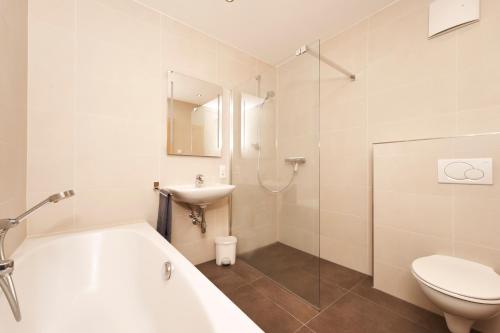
275	167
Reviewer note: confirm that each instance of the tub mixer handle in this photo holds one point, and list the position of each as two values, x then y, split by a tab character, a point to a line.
168	270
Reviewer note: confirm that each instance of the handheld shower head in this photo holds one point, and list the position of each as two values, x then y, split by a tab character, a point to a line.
55	198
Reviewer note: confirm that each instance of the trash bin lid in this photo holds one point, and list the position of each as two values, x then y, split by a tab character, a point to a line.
226	240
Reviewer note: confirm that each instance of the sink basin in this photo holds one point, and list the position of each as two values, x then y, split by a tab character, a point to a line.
200	196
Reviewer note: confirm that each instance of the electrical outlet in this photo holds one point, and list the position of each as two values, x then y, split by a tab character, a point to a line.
222	171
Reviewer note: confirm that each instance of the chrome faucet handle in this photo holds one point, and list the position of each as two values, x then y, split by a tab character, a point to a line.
6	224
6	267
199	180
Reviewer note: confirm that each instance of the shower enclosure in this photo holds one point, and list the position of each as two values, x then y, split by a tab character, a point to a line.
275	165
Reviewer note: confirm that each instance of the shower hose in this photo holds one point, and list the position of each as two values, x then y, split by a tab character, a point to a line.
259	149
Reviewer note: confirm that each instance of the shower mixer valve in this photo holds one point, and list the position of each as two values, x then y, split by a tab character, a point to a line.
296	161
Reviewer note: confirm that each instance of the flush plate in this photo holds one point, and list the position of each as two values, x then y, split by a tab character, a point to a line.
476	171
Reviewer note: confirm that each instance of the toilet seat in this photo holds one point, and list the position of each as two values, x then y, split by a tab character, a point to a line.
459	278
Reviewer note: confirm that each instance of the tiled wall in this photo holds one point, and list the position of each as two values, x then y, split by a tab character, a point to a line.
13	89
407	87
414	216
97	114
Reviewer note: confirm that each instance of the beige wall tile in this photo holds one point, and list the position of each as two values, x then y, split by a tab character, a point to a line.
483	255
476	220
423	213
52	218
298	238
13	115
478	121
344	252
388	249
352	200
344	227
188	51
400	283
413	129
234	66
478	68
51	64
53	12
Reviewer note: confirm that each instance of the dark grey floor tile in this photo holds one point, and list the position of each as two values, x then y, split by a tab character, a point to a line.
275	306
355	314
240	268
288	301
424	318
330	293
340	275
277	257
245	271
308	286
223	277
265	313
300	282
211	270
229	282
304	329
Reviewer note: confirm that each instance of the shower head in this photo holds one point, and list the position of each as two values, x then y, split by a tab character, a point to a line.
55	198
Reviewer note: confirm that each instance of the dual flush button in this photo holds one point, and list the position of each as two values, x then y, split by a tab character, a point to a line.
466	171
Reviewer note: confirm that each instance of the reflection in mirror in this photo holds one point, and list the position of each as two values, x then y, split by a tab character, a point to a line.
250	136
194	117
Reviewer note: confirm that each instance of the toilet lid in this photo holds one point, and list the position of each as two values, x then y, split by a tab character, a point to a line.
459	276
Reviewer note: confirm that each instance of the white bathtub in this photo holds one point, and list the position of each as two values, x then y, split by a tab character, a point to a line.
112	280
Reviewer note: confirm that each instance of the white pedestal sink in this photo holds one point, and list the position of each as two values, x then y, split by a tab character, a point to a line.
199	197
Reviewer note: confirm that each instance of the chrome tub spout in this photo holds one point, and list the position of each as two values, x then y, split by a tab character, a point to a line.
7	286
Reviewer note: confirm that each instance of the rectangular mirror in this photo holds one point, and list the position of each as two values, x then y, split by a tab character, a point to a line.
194	125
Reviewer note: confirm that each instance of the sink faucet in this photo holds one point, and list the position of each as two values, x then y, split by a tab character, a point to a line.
199	180
7	265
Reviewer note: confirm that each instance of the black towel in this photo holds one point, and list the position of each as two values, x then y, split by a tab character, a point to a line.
164	225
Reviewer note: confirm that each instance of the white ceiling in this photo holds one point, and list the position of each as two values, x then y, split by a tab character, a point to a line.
191	90
268	29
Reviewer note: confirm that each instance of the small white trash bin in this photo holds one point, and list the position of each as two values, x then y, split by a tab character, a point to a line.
225	250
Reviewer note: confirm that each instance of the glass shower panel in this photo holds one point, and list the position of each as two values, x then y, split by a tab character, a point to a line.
275	166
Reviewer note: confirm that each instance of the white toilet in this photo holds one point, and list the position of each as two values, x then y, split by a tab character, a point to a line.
466	291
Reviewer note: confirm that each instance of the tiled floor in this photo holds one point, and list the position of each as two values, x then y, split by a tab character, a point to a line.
297	271
348	303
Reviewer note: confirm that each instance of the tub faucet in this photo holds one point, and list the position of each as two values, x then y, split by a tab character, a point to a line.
7	265
200	180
